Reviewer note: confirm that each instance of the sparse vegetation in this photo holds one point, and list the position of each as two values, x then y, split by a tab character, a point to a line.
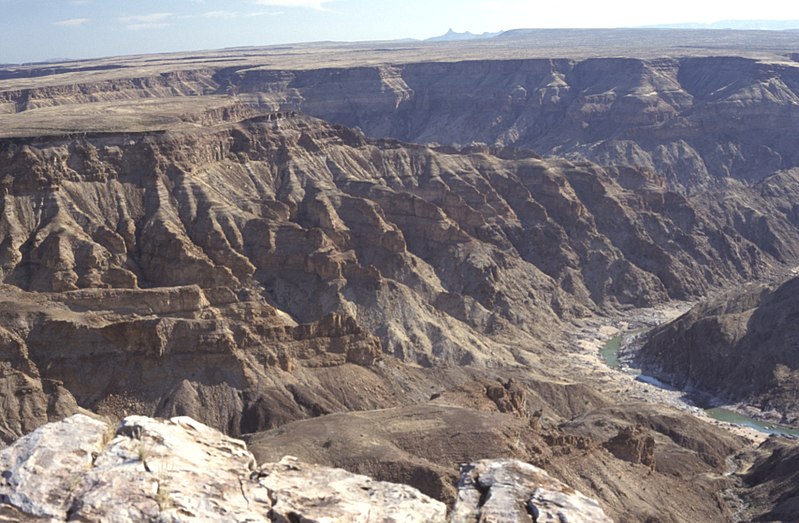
162	495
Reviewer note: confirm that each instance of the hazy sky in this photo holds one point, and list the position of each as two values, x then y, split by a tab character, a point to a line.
45	29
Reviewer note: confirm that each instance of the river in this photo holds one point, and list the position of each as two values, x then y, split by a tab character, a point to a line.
610	354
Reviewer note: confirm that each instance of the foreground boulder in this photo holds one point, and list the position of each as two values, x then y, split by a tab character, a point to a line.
180	470
82	469
512	491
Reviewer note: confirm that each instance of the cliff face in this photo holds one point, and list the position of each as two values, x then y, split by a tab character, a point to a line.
235	203
192	82
741	347
772	483
693	119
201	245
193	267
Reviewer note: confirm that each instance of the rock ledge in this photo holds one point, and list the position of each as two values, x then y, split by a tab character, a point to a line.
82	469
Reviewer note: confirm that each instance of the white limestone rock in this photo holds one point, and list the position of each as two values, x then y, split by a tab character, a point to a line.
510	491
175	470
326	495
180	470
40	473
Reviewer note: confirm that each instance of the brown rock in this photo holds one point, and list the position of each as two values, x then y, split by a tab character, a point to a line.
633	444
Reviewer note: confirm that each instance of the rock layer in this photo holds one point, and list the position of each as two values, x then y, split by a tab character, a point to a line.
693	119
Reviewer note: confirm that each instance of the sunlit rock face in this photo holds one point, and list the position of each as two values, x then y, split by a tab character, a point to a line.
181	470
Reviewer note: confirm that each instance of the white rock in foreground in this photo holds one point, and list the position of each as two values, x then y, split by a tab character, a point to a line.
510	491
180	470
40	472
322	494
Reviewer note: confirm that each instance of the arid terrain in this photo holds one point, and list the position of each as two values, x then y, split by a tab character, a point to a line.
400	257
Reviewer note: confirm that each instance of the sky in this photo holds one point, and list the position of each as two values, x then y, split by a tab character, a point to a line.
38	30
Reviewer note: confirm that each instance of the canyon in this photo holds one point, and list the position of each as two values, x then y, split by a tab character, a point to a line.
386	258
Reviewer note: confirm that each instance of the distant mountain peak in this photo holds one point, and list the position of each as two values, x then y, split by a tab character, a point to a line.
452	35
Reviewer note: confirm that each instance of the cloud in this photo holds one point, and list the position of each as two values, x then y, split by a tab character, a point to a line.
221	14
265	13
149	21
72	22
319	5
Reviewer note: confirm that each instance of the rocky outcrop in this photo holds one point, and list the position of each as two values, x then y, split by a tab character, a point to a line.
513	491
180	470
738	347
82	469
771	483
319	494
633	444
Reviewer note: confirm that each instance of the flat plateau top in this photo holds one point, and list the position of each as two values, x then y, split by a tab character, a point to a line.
40	100
577	44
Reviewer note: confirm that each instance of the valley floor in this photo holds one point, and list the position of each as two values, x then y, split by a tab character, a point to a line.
586	363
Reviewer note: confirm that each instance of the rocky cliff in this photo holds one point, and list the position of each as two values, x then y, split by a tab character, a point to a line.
388	296
692	119
739	347
772	482
81	469
233	265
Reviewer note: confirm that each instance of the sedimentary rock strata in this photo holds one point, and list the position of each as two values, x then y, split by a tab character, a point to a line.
326	244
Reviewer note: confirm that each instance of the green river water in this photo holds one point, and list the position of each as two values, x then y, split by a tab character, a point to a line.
610	353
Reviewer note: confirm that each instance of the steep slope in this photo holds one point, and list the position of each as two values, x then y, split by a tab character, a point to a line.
771	484
692	119
221	200
422	446
236	265
740	347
